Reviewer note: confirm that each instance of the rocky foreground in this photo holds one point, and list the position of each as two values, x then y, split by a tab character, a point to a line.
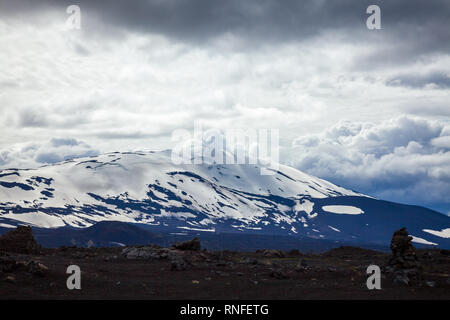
185	271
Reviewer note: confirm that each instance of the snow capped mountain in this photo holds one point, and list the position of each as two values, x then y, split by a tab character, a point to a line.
147	188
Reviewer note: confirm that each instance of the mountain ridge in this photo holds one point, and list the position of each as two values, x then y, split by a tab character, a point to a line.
147	188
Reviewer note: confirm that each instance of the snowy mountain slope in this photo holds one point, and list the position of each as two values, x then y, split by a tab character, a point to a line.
146	187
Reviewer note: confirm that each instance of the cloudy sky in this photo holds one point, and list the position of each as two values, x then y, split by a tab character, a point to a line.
366	109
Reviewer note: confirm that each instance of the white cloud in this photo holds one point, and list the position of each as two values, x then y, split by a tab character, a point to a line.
395	159
32	155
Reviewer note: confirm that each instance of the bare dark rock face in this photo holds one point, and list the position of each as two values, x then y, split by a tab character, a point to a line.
20	240
403	264
191	245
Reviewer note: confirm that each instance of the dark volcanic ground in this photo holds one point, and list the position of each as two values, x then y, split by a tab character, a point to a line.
107	274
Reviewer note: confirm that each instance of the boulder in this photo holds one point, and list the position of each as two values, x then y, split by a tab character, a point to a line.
8	265
271	253
36	268
178	264
20	240
10	279
252	261
146	252
278	274
191	245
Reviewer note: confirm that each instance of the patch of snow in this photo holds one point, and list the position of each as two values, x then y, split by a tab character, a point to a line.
422	241
342	209
5	225
39	219
305	205
335	229
444	233
118	243
197	229
311	216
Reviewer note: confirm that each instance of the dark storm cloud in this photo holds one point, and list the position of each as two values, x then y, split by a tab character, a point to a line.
410	28
262	20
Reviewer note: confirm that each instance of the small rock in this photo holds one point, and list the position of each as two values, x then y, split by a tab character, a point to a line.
250	261
427	255
37	268
275	264
10	279
401	279
331	269
9	265
300	268
278	274
178	265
